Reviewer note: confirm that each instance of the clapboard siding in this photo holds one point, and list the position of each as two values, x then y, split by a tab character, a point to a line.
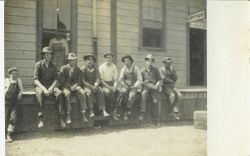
20	38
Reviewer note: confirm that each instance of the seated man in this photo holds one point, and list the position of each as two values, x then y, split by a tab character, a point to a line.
151	80
109	75
169	78
45	78
130	79
91	81
70	81
13	93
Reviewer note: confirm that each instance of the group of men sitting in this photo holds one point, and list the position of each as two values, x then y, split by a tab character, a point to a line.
102	88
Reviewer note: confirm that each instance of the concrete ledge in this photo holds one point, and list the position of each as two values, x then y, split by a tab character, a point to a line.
200	119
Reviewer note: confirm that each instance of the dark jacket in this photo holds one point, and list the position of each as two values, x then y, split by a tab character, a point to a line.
66	80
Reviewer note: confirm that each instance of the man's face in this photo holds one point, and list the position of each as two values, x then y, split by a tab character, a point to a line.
109	58
90	61
73	62
127	62
47	56
148	63
167	64
14	75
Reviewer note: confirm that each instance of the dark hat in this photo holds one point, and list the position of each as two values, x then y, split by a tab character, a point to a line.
86	57
128	57
72	56
149	57
47	50
167	60
11	69
108	53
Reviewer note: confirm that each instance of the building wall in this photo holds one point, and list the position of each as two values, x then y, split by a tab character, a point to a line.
128	19
20	37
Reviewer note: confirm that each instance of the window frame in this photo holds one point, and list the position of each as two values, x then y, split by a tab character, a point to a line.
73	27
163	48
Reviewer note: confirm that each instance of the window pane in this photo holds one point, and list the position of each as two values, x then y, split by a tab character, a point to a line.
50	20
152	37
152	10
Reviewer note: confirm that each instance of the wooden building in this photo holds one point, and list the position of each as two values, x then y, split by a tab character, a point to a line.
174	28
136	27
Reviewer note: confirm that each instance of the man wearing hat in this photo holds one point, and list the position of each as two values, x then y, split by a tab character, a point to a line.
70	81
130	80
45	79
91	81
13	93
169	78
150	83
109	76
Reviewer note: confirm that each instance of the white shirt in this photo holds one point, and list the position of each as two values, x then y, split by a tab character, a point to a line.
108	72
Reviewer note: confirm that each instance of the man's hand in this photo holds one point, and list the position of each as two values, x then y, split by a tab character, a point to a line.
73	88
124	90
19	96
113	89
46	92
50	90
81	91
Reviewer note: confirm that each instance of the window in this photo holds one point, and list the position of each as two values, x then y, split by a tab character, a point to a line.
55	28
152	23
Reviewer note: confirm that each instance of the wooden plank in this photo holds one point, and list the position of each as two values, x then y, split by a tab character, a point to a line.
19	37
85	10
171	5
84	26
177	13
104	42
84	17
84	41
103	27
20	12
103	19
20	45
175	19
128	28
128	20
86	3
20	63
124	5
174	33
103	35
103	12
84	49
20	20
19	54
20	28
128	13
127	42
104	4
127	35
171	26
20	3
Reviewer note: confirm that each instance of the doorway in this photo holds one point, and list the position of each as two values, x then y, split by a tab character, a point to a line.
198	57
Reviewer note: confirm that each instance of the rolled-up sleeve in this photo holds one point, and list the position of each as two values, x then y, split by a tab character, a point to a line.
121	77
36	73
138	73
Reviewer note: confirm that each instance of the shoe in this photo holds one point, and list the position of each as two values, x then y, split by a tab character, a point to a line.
115	116
125	116
40	124
84	118
141	117
62	123
158	124
176	116
129	112
9	139
92	115
105	114
68	120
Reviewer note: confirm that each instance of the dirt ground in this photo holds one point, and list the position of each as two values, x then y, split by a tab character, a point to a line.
170	139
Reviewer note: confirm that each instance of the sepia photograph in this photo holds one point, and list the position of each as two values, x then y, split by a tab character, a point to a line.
105	77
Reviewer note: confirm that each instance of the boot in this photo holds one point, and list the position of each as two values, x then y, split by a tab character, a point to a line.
62	123
84	117
141	116
177	115
125	116
40	123
115	116
91	113
68	120
8	137
105	114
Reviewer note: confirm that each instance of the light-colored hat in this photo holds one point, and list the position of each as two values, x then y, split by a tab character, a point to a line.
72	56
167	60
108	53
149	57
11	69
47	50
